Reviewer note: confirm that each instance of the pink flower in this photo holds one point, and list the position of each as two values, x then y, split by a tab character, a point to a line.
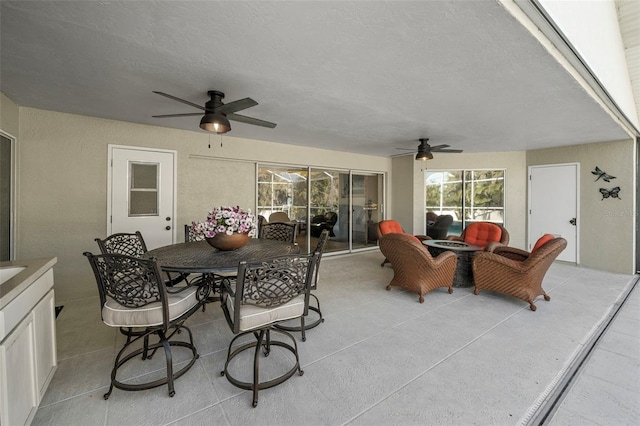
226	220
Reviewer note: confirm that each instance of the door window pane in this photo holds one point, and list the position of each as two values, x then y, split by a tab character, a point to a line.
143	189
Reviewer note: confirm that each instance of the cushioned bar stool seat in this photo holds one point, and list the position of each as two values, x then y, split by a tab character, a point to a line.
266	293
133	295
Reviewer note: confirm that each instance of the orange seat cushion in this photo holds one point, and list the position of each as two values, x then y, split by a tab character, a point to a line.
482	233
390	227
542	241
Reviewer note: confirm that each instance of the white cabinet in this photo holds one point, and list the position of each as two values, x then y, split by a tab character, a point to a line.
27	341
18	396
44	327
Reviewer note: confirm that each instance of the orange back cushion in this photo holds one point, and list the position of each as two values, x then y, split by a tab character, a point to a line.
542	241
482	233
390	227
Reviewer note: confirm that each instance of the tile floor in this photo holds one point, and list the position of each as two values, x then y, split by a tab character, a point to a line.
380	358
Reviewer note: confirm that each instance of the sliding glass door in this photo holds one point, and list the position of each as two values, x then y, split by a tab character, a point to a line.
348	205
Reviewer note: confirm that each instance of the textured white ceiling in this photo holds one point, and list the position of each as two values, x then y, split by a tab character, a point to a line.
351	76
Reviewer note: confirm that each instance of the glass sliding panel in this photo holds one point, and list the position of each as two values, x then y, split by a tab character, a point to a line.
329	208
366	190
283	190
319	199
143	189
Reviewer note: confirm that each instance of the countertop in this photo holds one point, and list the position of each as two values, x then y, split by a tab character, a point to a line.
34	268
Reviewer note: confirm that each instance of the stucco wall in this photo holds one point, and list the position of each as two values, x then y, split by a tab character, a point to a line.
9	113
63	175
402	190
606	225
516	185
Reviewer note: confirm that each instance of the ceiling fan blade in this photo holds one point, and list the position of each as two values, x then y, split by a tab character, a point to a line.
177	115
437	147
457	151
407	149
236	106
166	95
251	120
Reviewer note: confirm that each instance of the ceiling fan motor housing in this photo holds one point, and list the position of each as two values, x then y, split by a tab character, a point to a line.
216	100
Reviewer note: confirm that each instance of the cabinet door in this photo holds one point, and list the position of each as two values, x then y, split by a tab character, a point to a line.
45	342
18	390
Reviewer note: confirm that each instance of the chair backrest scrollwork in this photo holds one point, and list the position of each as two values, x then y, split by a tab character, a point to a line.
123	243
130	281
279	231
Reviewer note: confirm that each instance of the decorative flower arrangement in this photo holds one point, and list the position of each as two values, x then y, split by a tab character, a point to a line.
226	220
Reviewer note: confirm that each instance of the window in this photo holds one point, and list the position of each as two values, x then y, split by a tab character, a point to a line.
467	195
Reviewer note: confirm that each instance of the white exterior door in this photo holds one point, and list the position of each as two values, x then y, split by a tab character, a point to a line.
554	206
142	194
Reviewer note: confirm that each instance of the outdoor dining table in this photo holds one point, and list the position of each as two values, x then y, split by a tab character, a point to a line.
200	257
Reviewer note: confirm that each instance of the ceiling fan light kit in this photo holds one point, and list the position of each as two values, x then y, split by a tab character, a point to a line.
215	122
217	114
424	155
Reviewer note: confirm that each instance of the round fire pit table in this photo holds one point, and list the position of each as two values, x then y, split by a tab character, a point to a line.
464	252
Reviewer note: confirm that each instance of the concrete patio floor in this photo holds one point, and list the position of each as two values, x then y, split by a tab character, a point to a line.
381	358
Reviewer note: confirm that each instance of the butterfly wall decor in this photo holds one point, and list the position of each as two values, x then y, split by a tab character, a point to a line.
601	174
613	193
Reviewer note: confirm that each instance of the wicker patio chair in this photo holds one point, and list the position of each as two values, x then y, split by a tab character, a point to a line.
439	229
517	272
482	233
414	269
391	226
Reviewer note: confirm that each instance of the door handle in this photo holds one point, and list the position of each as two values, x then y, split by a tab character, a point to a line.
573	221
168	228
